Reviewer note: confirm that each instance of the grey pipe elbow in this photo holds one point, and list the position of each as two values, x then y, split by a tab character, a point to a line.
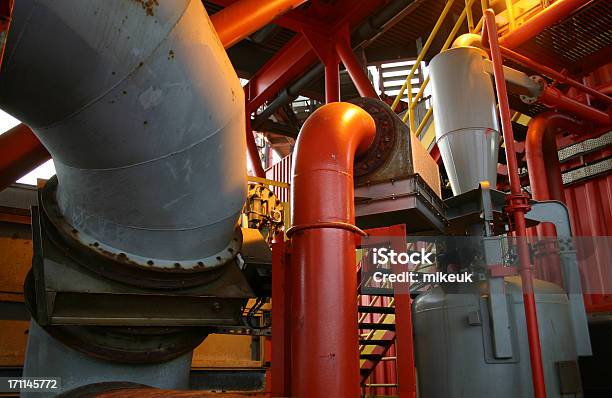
143	114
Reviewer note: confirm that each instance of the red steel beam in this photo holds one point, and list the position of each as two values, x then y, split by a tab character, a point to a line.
286	65
353	67
325	354
244	17
552	14
324	46
20	152
518	205
281	310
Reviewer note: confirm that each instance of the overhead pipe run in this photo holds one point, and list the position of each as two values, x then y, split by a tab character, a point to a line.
554	98
550	15
325	347
237	21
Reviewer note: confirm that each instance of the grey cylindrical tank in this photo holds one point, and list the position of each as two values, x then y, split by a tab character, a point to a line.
467	130
453	354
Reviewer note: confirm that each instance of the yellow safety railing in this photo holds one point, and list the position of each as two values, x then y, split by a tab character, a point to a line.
409	117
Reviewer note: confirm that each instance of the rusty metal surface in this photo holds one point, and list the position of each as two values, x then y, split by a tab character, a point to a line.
385	141
126	390
120	266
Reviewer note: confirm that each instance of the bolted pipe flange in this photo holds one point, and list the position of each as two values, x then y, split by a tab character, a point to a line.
125	267
384	142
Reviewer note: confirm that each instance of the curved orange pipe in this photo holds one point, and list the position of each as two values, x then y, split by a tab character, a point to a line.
541	154
325	347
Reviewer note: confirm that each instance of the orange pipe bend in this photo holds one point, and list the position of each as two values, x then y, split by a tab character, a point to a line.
325	346
237	21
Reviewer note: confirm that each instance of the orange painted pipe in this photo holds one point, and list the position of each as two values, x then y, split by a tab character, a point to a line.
324	341
552	14
237	21
20	153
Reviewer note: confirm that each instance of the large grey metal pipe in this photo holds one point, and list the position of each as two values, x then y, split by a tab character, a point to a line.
143	114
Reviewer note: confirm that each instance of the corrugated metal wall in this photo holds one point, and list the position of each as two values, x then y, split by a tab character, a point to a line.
591	212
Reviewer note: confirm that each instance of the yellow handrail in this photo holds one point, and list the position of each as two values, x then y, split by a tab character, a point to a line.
412	102
430	40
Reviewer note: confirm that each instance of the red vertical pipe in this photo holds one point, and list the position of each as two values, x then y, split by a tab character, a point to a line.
355	70
541	154
325	345
545	177
332	80
281	296
20	153
517	207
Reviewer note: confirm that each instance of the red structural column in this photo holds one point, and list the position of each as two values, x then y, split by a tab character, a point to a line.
324	341
281	315
517	206
324	47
